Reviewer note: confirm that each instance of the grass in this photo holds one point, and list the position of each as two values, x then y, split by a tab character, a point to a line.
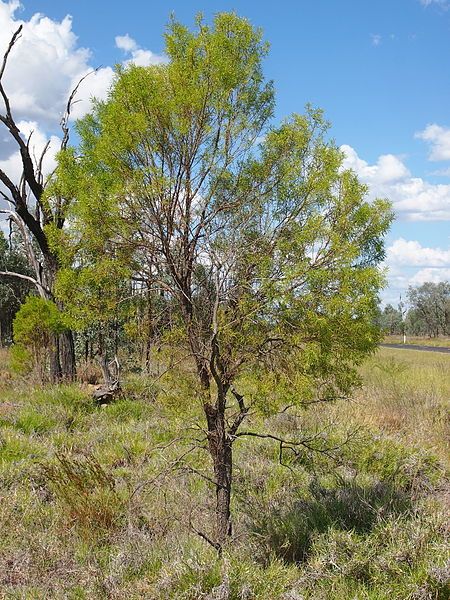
442	341
96	502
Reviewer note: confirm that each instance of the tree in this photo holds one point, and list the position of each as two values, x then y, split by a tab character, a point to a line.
430	308
33	212
36	327
13	290
259	238
391	320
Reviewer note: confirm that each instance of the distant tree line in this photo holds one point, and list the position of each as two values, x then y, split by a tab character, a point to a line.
428	312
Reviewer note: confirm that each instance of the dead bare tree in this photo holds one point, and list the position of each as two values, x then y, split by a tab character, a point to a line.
31	212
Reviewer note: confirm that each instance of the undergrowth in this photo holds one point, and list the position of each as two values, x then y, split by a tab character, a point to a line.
104	502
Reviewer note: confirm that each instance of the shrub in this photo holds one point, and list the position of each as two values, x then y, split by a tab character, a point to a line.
87	491
35	326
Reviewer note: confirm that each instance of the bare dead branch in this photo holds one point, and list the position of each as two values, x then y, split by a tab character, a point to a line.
207	539
26	278
15	37
66	116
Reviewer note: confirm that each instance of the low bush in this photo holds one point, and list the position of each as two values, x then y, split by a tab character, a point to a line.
87	491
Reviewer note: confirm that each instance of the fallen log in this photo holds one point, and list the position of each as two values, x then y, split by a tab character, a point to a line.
105	394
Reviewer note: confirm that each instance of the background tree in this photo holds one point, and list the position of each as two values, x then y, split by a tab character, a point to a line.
430	308
13	290
391	320
37	325
268	253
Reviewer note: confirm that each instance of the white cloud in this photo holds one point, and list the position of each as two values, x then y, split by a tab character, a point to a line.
45	65
413	198
411	253
389	168
433	275
12	165
138	56
126	43
441	3
439	139
411	264
43	68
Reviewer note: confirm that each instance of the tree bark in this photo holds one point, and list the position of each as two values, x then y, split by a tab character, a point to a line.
220	448
67	355
55	364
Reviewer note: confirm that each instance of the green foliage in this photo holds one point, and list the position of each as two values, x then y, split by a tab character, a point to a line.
430	309
281	228
20	359
35	326
391	320
92	295
36	321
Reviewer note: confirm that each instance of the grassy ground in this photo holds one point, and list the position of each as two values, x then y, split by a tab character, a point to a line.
103	502
442	341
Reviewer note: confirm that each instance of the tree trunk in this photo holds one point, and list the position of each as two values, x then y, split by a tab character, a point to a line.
67	355
220	448
64	365
55	364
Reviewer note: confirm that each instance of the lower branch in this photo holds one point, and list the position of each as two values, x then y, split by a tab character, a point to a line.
40	287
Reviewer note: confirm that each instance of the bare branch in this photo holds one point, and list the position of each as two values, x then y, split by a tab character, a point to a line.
207	539
306	443
243	412
15	37
66	116
26	278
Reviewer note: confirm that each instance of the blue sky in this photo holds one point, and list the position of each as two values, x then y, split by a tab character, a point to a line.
378	69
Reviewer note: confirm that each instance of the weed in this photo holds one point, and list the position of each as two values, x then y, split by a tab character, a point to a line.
87	490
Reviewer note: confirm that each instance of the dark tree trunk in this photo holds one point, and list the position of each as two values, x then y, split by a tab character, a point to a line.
67	355
64	363
220	448
55	364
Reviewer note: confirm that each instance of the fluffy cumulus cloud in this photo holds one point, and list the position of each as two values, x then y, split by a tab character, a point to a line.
43	68
439	139
413	198
45	65
411	253
137	55
409	263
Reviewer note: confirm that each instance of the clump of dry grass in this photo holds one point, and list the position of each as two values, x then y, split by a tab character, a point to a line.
87	490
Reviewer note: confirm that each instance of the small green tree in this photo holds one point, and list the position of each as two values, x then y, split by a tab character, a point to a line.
268	252
36	327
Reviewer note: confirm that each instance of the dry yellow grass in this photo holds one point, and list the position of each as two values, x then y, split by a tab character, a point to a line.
406	394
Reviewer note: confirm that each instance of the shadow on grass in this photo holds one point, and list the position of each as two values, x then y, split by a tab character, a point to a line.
348	506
